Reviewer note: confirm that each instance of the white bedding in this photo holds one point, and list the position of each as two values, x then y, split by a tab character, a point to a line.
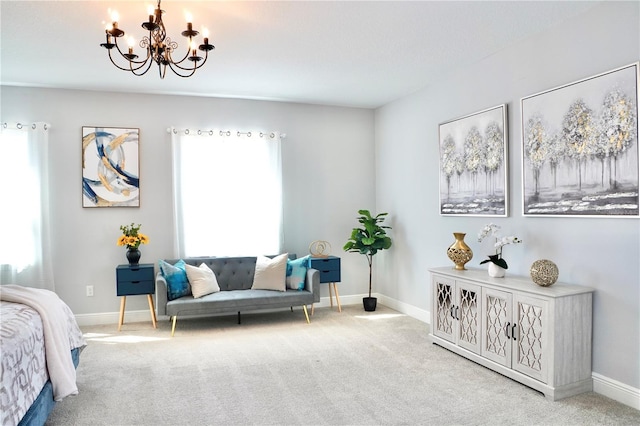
25	364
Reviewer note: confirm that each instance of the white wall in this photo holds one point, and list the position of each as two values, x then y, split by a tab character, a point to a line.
328	164
600	253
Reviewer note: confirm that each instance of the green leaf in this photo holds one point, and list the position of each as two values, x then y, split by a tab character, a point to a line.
368	241
370	228
365	213
497	260
387	243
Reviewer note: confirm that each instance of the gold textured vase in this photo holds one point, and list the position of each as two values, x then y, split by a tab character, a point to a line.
459	252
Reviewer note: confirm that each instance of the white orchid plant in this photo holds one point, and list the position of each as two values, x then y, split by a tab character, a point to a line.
494	230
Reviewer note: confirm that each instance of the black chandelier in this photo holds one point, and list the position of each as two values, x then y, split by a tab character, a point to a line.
159	48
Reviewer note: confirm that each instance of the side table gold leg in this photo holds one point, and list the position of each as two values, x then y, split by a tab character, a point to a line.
153	311
335	290
123	302
330	296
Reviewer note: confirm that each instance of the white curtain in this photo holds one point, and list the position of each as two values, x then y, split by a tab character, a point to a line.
227	193
25	253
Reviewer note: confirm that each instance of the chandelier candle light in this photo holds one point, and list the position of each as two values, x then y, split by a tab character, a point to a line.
497	265
159	48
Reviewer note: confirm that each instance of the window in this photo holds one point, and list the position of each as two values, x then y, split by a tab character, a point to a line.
227	194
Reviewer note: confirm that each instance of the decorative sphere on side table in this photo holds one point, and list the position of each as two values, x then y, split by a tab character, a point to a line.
544	272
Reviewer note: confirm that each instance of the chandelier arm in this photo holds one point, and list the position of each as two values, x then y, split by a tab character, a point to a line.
177	69
197	63
145	43
133	70
184	57
123	68
141	62
114	63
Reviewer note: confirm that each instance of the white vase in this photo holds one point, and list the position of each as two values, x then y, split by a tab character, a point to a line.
496	271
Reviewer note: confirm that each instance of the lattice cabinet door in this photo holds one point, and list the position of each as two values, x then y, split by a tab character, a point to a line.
443	324
497	325
532	330
467	313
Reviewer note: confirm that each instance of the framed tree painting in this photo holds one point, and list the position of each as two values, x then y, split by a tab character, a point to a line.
580	147
110	167
473	164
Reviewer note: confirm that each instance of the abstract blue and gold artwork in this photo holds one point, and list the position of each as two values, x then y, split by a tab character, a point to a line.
110	167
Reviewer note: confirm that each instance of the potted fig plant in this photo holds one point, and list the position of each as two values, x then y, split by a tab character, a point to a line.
368	239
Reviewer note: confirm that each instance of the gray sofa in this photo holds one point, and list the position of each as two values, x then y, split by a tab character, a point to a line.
235	278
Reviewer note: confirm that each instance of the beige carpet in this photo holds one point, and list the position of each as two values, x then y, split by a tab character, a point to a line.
349	368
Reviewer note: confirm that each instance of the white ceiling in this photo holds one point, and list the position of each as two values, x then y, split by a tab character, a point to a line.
351	53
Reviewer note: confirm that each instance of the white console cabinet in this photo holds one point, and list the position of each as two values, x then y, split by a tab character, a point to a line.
538	336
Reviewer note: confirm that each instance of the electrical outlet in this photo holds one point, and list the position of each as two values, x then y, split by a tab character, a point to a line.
89	291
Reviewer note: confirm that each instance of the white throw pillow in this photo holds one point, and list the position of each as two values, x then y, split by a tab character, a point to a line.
270	273
203	281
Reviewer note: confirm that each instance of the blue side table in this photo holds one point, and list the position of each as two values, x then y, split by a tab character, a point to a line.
133	280
329	268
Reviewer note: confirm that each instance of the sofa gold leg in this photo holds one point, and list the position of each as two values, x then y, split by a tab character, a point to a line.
306	314
313	308
173	325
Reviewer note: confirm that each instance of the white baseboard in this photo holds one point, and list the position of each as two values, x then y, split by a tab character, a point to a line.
356	299
617	391
106	318
405	308
605	386
353	299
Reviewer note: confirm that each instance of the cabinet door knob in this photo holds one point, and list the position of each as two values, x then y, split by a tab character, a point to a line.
513	332
506	330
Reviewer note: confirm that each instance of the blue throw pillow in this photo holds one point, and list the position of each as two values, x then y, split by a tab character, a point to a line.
296	272
176	277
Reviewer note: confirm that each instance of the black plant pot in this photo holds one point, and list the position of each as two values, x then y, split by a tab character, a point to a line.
369	303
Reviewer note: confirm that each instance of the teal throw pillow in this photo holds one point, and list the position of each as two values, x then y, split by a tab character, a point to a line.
297	272
176	277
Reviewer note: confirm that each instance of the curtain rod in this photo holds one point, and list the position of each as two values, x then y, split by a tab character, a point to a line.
21	126
238	133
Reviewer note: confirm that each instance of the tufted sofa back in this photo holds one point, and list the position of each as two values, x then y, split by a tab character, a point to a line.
232	273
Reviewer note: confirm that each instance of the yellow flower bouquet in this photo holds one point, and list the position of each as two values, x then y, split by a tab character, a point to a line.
132	237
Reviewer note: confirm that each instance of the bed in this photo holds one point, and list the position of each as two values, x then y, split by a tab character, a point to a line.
40	344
